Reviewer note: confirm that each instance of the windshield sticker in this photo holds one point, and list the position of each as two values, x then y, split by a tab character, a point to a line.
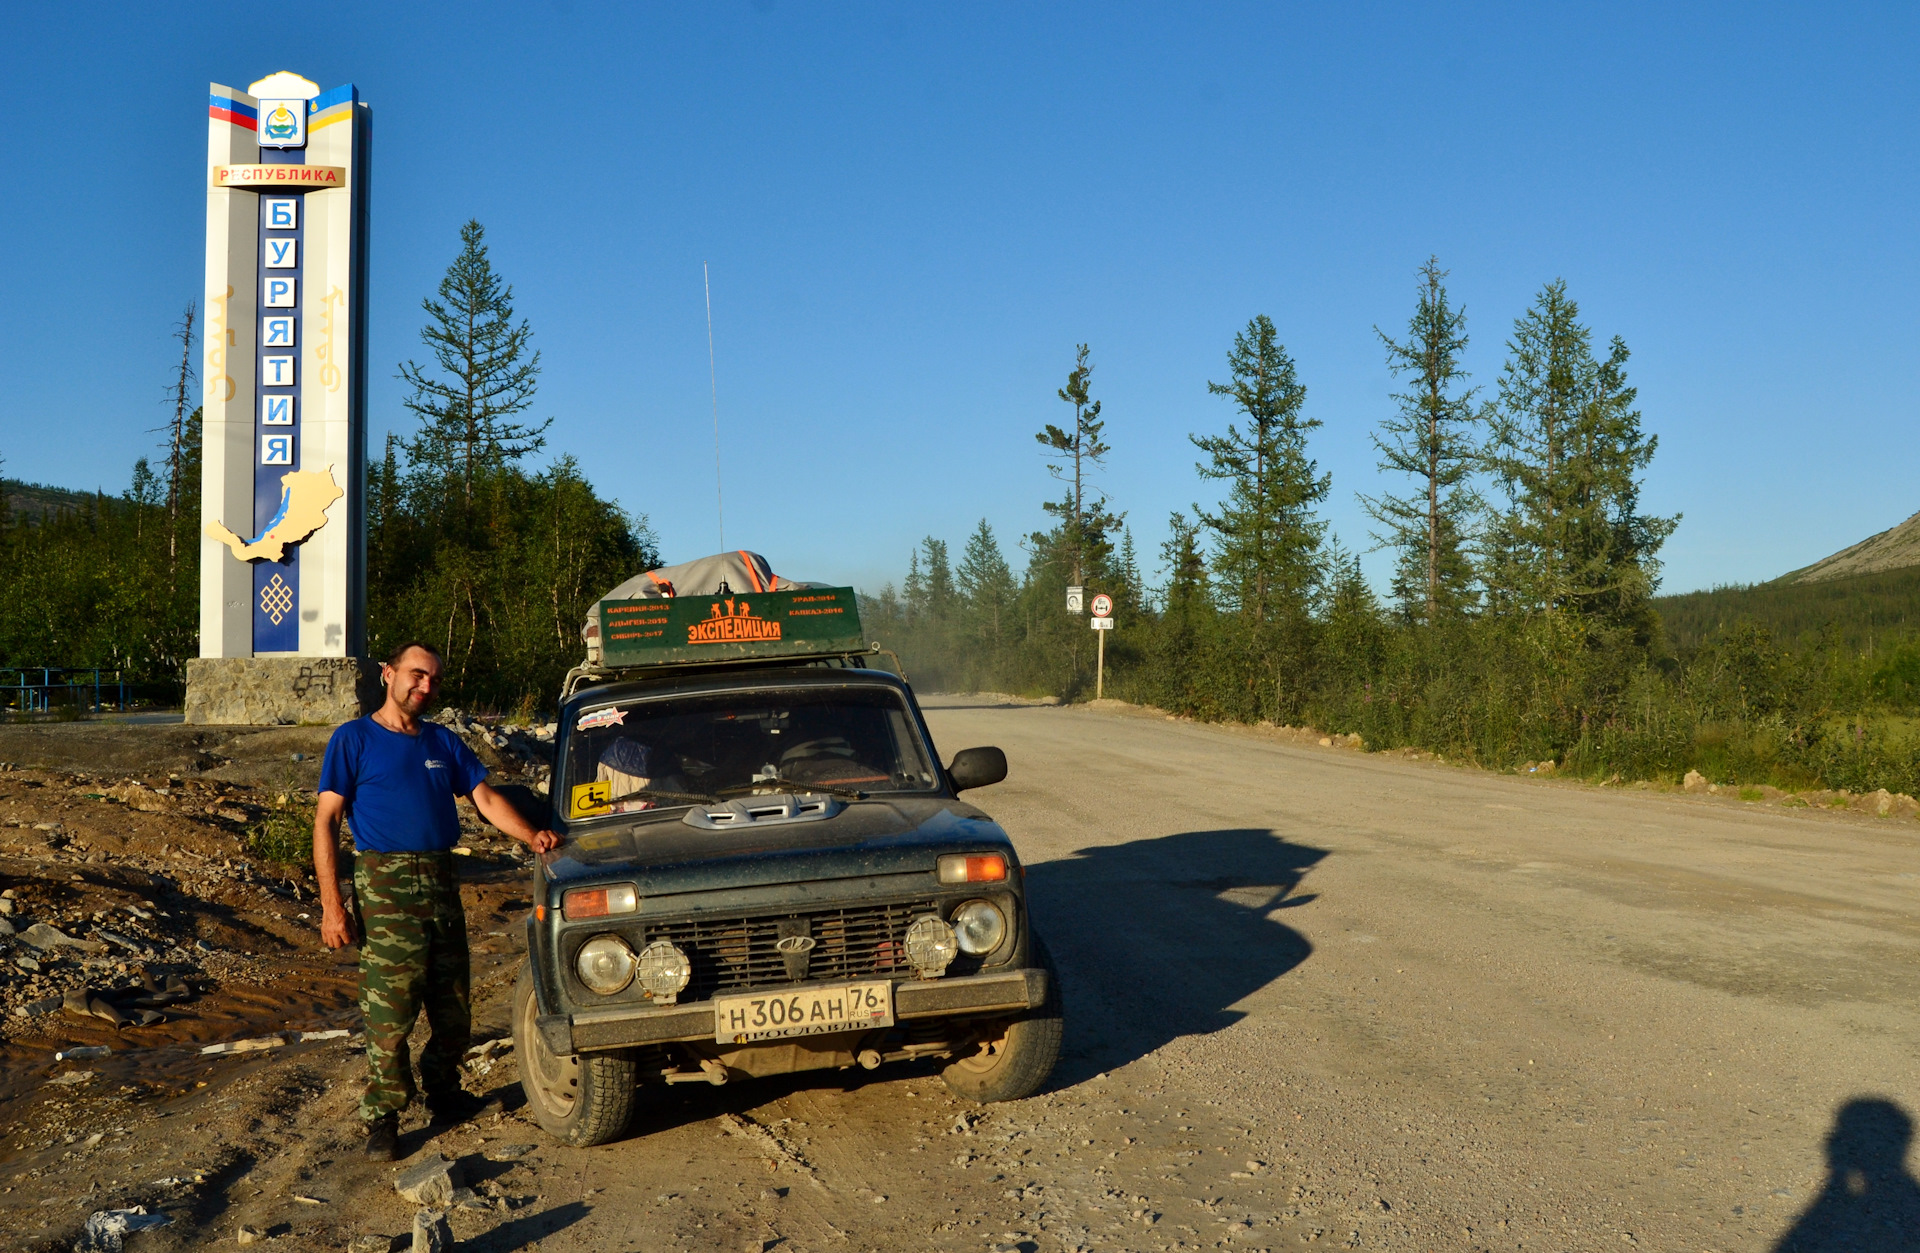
588	799
601	718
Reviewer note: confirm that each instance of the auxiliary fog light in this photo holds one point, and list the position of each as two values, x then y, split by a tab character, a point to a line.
664	970
931	945
979	926
605	964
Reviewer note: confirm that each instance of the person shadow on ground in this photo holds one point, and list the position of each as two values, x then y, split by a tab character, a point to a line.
1869	1201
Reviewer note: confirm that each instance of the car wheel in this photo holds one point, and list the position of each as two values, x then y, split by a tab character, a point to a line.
577	1100
1015	1055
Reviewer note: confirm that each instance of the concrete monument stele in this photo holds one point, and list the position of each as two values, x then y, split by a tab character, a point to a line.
284	433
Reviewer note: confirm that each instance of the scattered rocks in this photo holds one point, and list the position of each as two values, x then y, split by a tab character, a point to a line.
106	1230
1695	782
510	1152
430	1183
431	1234
253	1235
83	1052
45	938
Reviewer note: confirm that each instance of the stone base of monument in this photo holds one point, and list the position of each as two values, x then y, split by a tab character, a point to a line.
276	691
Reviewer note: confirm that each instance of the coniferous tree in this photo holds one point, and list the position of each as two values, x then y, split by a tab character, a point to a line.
937	589
487	374
985	585
1431	441
1266	537
913	591
1568	450
1086	527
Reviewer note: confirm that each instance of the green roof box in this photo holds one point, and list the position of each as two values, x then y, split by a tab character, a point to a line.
679	630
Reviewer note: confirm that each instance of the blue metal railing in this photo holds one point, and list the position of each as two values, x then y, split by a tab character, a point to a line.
91	689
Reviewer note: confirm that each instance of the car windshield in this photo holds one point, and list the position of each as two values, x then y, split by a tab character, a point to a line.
626	757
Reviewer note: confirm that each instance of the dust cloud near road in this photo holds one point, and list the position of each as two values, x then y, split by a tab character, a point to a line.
1315	998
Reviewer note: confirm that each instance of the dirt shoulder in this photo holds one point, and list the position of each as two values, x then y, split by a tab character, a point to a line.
139	924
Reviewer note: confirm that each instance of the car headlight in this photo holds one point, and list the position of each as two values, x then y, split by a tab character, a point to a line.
605	964
930	946
979	927
664	970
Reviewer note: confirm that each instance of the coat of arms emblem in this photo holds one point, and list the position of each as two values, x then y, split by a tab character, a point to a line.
283	123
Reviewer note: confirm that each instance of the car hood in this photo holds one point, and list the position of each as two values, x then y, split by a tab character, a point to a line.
866	838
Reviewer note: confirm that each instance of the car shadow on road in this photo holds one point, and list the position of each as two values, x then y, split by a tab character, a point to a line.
1869	1200
1159	938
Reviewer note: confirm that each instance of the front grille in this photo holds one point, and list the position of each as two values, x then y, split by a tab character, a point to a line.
737	954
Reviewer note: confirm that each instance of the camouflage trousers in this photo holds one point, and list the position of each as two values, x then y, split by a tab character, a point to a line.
413	958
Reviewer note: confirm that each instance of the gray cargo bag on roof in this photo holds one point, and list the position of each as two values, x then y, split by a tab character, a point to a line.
740	571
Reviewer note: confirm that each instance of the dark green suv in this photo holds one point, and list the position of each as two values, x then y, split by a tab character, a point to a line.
766	869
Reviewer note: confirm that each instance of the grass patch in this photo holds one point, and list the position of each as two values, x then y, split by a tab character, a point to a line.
285	833
1752	794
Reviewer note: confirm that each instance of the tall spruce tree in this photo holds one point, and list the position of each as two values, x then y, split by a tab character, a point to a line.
1266	537
985	585
1568	450
1431	440
487	374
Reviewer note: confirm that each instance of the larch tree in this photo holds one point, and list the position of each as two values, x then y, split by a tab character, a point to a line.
1431	439
1086	526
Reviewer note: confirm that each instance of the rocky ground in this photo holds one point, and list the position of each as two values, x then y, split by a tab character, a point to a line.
1316	997
142	921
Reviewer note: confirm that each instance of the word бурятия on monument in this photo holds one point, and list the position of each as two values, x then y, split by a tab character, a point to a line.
283	547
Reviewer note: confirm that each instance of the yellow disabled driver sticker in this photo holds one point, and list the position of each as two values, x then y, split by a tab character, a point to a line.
588	799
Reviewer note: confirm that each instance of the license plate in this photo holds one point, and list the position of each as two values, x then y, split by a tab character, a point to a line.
744	1018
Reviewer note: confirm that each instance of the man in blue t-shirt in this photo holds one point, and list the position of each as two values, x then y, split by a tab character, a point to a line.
396	776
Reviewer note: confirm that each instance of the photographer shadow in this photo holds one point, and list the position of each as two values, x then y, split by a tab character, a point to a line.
1159	938
1869	1201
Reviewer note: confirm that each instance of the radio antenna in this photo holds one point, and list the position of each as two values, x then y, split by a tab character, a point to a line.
713	382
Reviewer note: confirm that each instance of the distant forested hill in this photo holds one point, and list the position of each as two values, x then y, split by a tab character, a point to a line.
32	500
1863	610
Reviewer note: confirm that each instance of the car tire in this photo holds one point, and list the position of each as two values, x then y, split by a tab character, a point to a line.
578	1100
1015	1063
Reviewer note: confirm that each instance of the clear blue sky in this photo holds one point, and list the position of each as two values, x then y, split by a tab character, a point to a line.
913	214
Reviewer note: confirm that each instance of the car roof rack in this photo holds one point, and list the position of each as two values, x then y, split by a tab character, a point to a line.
591	675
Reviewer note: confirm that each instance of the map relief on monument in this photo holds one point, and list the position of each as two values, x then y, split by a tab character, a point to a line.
304	497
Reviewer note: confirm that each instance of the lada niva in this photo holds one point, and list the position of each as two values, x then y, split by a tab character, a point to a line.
765	868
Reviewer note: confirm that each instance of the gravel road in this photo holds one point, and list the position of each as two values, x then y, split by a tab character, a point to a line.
1315	997
1318	996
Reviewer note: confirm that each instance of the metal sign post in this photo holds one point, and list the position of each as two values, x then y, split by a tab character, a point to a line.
1102	622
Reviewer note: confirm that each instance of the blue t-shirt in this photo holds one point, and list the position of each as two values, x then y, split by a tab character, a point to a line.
399	788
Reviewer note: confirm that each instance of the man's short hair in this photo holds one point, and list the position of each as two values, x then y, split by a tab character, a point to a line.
393	659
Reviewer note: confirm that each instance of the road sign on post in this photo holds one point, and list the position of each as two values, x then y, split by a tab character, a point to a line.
1102	622
1075	598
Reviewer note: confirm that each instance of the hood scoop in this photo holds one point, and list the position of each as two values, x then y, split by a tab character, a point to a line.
763	811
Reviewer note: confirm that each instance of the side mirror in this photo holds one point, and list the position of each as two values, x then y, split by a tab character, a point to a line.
977	767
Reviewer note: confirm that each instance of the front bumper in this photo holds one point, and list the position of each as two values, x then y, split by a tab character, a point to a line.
599	1029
